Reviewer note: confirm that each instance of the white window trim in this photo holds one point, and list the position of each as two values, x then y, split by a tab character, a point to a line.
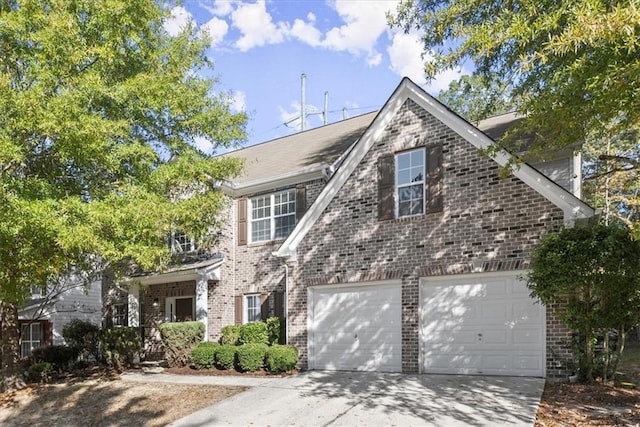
176	248
272	217
245	307
397	186
114	316
39	343
170	307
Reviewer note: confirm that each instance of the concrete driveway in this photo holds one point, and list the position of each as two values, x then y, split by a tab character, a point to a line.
372	399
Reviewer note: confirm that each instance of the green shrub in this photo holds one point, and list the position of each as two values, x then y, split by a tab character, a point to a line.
251	356
60	356
230	335
273	330
40	372
281	358
119	346
179	339
203	356
225	356
254	333
83	335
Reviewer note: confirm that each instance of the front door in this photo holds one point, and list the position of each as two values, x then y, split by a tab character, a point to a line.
184	309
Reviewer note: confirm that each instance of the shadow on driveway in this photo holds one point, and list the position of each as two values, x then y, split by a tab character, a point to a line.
372	399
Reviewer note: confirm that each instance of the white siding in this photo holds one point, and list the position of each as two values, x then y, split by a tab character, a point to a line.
76	304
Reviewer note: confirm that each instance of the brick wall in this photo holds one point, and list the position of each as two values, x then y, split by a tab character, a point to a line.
493	221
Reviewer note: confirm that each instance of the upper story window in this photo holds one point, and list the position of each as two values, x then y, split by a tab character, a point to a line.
272	216
180	243
410	183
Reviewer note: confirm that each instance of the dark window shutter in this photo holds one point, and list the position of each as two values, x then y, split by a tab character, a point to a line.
301	201
386	187
47	333
242	221
278	305
238	309
434	179
264	306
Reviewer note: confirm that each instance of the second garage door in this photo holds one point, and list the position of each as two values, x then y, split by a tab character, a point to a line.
355	328
484	324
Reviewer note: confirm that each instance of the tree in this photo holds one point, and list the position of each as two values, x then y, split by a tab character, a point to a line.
573	65
99	114
594	272
476	97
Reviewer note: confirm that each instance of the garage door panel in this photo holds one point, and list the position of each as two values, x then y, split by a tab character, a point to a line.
483	325
356	328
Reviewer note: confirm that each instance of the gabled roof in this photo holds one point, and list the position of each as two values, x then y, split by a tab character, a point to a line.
572	207
296	158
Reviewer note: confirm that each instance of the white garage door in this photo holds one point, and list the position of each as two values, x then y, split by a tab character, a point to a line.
484	324
356	328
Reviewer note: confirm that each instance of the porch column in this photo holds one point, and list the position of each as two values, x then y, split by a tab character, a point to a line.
202	290
133	311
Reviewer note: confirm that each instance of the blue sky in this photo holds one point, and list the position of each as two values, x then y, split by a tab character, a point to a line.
344	47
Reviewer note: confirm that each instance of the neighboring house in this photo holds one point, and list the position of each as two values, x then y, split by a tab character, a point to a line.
43	317
390	241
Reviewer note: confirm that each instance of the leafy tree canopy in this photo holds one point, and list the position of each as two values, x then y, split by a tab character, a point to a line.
573	64
99	115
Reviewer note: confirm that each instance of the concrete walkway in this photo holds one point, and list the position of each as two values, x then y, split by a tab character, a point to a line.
366	399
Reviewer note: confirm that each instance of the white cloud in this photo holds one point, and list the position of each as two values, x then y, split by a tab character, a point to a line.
178	20
407	60
219	7
216	28
238	101
306	32
364	21
405	55
256	26
203	145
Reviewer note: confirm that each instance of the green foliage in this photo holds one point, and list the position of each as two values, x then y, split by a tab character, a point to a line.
82	335
225	356
203	355
99	117
594	273
119	346
230	335
273	330
60	356
281	358
40	372
254	333
179	339
477	97
573	65
251	356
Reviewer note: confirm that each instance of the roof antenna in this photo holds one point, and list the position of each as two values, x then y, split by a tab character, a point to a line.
303	104
325	115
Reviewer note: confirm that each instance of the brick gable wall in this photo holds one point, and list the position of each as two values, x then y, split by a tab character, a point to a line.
487	221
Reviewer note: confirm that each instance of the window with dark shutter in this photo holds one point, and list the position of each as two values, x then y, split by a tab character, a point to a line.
242	221
301	201
434	200
386	187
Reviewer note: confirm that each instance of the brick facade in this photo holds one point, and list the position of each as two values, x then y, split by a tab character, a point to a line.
487	220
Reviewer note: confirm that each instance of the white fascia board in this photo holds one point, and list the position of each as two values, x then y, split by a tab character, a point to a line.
209	272
273	182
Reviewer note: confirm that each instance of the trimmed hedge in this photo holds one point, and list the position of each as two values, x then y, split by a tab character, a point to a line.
59	356
40	372
119	346
254	333
251	356
225	357
203	356
179	339
230	335
281	358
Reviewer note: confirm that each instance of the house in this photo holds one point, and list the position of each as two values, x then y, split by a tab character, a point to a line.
389	240
43	316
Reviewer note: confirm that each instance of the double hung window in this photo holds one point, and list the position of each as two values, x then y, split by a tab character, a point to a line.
410	183
272	216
